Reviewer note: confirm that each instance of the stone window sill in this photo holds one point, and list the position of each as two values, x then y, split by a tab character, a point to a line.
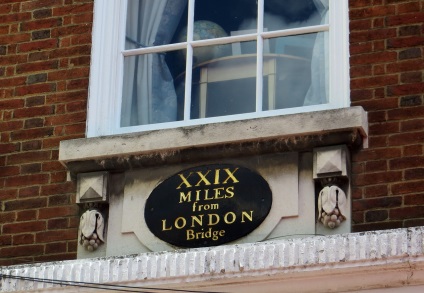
297	132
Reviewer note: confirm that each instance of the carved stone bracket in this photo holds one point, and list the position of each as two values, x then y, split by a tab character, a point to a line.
331	170
92	197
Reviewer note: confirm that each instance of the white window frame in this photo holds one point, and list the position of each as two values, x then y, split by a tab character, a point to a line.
105	87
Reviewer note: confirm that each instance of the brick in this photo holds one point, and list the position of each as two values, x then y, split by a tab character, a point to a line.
408	187
414	174
24	227
413	223
42	13
31	203
373	58
26	215
405	89
23	239
58	212
55	224
410	101
7	217
376	216
372	12
376	191
405	113
35	101
406	138
384	128
376	34
405	42
59	200
377	178
377	226
405	66
32	133
24	250
414	199
408	18
33	112
31	168
58	247
40	24
33	123
9	171
31	191
380	202
406	213
58	235
55	189
37	66
35	89
36	78
378	154
411	77
410	53
405	162
39	35
5	240
11	125
31	145
27	157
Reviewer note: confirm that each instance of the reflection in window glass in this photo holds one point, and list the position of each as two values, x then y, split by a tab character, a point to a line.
288	80
224	58
226	85
233	16
149	95
285	14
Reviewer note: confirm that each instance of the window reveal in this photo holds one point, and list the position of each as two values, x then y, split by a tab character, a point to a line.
187	60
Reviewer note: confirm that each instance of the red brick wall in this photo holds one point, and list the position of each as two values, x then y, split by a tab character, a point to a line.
387	38
44	65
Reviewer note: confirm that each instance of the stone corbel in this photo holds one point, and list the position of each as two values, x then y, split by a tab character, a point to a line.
331	173
92	197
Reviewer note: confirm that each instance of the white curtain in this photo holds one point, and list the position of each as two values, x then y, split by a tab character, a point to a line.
318	91
148	90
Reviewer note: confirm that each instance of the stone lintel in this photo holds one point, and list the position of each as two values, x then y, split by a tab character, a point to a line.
297	132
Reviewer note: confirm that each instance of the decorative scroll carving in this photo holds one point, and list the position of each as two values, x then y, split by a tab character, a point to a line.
332	206
91	229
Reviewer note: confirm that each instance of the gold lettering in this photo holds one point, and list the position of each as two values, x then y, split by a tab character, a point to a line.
230	176
190	234
184	180
203	178
164	228
217	171
179	225
229	221
211	220
198	219
245	214
206	195
230	192
218	192
185	197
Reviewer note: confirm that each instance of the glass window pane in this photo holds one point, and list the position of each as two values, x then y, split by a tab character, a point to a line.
285	14
226	85
151	91
221	18
154	22
295	72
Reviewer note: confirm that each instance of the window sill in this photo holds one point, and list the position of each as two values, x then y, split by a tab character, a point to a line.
297	132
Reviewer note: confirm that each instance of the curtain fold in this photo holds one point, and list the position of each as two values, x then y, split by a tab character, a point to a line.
148	89
318	90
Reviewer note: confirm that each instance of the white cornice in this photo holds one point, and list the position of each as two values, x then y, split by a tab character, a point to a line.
348	262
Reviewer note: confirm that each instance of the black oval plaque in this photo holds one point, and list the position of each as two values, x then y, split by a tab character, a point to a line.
208	205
